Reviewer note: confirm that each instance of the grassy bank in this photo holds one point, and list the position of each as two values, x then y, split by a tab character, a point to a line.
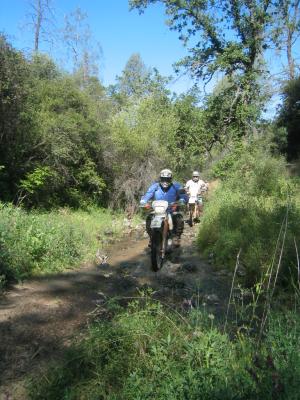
255	212
34	242
147	352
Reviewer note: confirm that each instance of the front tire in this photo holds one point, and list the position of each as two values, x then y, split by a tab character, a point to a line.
156	251
191	214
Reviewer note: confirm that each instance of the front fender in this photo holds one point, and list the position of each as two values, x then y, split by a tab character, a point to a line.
157	221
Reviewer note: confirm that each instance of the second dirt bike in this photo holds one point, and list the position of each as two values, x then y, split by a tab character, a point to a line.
195	206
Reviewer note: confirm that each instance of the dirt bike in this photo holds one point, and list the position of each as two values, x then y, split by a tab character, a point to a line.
161	231
195	207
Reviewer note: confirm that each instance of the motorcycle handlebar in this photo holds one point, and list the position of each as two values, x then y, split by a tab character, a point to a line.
149	205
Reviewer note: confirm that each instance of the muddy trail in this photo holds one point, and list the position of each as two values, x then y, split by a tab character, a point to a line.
39	318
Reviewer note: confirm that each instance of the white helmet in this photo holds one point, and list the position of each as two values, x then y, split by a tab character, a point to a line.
165	178
196	176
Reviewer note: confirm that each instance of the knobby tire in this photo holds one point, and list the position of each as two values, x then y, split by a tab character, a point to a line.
191	214
156	251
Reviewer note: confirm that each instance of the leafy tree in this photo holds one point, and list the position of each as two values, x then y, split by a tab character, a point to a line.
50	134
230	112
141	137
289	117
138	81
69	142
134	78
228	37
17	126
191	137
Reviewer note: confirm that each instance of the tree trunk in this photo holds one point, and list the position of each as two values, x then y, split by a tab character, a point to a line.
38	25
291	63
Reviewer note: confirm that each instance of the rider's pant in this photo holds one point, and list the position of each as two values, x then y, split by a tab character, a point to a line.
177	221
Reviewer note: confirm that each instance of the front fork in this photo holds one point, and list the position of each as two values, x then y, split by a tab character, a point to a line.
165	230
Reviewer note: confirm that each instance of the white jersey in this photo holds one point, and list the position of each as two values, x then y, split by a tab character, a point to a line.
194	188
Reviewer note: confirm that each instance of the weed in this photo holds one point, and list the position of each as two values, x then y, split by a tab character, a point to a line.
35	242
147	352
256	209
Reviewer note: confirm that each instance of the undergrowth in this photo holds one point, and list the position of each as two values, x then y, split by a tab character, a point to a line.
35	242
255	211
147	352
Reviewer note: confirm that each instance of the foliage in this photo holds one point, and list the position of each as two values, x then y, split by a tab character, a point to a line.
255	204
141	137
289	117
230	156
232	110
229	37
17	128
138	82
51	149
33	243
69	142
215	47
282	339
65	143
147	352
191	136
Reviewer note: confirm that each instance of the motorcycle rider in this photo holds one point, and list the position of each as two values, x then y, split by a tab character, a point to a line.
195	186
170	191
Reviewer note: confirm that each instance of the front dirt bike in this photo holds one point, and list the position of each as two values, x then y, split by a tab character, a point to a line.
161	227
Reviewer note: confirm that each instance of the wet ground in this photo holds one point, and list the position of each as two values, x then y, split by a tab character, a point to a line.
39	318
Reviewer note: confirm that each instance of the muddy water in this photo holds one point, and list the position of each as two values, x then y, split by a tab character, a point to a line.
39	318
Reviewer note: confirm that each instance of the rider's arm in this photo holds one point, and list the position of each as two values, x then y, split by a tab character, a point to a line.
150	193
187	187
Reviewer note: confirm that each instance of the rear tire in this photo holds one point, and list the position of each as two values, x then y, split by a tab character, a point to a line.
156	251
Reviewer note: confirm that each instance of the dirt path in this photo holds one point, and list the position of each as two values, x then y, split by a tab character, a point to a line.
39	318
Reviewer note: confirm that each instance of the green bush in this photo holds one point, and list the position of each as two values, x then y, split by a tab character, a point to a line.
149	353
248	212
35	242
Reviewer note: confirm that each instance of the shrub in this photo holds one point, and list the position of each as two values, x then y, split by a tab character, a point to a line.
248	212
35	242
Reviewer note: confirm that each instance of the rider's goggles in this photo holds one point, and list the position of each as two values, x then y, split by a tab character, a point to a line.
165	179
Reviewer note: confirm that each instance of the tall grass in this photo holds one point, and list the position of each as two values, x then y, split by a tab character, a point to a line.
35	242
147	352
247	212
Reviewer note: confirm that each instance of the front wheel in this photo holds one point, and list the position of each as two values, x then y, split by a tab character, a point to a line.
191	214
157	251
198	212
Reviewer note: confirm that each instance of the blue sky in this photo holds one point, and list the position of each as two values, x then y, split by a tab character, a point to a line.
119	31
